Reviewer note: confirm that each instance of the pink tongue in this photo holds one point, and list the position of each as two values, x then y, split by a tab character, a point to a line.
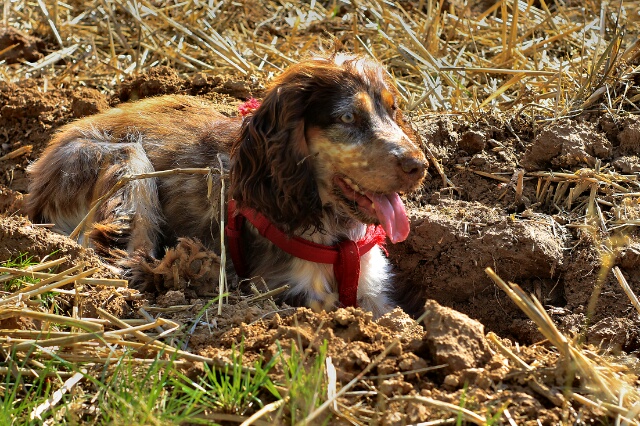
392	215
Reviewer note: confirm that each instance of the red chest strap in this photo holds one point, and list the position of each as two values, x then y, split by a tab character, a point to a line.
344	256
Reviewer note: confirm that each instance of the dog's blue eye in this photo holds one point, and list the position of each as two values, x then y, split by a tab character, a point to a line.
348	118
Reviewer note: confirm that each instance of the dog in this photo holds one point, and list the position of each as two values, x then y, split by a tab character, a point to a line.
312	171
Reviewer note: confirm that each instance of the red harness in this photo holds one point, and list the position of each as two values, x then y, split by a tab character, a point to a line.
344	256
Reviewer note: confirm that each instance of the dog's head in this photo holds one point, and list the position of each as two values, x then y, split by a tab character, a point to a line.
329	134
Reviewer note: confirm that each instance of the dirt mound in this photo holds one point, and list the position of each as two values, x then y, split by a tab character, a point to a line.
11	201
16	46
565	145
477	219
425	363
28	117
451	243
223	90
354	339
158	81
18	235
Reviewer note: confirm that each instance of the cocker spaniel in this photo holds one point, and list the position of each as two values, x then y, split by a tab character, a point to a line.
315	176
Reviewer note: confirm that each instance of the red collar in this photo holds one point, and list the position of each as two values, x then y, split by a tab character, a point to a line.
344	256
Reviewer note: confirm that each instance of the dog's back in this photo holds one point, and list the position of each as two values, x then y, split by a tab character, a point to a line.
86	159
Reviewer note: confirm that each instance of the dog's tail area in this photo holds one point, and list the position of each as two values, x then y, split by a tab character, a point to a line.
76	170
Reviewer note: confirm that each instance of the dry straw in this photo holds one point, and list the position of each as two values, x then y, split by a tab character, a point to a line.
608	388
544	61
548	60
93	344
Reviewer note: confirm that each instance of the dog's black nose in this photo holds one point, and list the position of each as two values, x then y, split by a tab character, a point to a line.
413	166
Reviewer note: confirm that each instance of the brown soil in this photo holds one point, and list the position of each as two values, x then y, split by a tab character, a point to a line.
18	235
17	46
436	361
456	233
29	115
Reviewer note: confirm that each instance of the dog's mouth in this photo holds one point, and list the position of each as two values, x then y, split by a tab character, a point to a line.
386	209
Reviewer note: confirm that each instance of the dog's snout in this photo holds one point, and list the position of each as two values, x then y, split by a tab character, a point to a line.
413	166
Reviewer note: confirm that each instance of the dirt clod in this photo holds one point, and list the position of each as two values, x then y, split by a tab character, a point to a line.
171	298
87	101
473	142
612	333
158	81
18	235
395	387
454	338
566	145
106	299
627	164
10	201
18	46
629	137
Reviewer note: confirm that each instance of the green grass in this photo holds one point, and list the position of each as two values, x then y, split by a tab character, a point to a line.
158	392
462	404
20	395
134	395
125	393
163	395
130	394
230	390
22	261
306	384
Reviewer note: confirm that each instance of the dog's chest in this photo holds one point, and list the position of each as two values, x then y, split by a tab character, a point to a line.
315	284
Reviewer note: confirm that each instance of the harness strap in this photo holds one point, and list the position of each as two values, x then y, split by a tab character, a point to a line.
344	256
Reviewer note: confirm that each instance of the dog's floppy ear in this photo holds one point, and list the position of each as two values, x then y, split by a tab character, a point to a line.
269	167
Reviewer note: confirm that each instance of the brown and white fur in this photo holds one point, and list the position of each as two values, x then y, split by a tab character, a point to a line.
327	139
